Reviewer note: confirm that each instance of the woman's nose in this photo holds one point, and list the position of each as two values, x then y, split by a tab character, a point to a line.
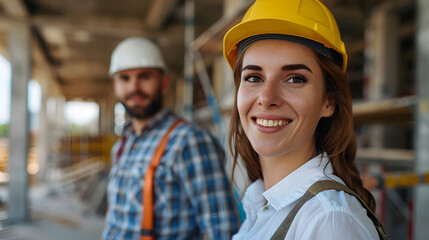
269	96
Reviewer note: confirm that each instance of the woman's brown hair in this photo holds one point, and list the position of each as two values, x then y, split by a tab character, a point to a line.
334	135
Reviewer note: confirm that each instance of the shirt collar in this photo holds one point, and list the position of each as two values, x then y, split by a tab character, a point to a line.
253	198
151	124
292	187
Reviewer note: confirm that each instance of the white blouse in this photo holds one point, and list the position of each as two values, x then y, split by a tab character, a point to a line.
330	214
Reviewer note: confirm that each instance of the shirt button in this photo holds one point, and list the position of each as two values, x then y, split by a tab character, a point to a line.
266	208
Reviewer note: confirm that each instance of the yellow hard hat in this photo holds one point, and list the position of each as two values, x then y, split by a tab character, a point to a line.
304	21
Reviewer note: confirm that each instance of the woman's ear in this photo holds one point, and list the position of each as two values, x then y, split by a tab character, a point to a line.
328	108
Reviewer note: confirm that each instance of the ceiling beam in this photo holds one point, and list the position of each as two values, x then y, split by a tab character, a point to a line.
107	26
100	25
159	12
82	70
90	91
14	8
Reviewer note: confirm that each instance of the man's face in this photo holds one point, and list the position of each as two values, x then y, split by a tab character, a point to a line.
140	91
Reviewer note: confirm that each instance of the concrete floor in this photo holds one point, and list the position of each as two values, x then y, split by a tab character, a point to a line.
61	215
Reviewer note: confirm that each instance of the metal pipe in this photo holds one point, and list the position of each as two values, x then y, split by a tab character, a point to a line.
210	96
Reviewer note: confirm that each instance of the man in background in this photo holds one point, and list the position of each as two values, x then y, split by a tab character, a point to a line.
192	196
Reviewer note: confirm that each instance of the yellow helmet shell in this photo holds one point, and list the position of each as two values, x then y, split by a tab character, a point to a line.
308	19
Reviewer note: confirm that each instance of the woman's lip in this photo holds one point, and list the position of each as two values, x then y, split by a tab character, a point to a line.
264	115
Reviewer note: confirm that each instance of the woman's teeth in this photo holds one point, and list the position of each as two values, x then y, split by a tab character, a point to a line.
271	123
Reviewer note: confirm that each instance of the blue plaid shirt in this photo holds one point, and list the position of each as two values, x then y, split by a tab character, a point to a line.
192	194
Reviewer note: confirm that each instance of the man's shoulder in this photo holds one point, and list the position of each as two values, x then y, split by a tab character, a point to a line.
193	130
189	131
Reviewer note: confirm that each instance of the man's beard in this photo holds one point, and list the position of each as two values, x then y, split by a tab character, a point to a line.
139	112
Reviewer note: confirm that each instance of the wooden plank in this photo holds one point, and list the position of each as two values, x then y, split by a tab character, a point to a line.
387	111
384	156
80	171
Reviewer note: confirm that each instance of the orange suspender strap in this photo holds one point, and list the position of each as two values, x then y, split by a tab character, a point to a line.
147	199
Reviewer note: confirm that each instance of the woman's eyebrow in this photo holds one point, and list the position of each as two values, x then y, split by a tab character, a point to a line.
252	67
295	67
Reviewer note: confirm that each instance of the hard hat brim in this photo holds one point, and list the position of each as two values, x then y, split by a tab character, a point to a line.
276	26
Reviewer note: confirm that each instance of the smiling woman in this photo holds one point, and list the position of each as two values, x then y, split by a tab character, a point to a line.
292	126
281	89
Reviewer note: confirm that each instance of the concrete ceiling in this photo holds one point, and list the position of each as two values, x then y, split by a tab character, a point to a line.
76	37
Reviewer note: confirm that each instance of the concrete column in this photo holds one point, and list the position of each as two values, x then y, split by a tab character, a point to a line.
55	119
189	59
107	113
382	82
421	218
43	132
20	59
381	54
381	64
102	116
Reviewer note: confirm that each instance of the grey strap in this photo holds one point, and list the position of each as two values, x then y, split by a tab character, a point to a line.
316	188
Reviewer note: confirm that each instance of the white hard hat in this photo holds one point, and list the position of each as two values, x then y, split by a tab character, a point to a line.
134	53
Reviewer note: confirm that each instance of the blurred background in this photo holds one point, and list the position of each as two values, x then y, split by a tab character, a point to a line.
59	117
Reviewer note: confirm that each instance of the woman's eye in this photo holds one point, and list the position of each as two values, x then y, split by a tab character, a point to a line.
297	79
252	79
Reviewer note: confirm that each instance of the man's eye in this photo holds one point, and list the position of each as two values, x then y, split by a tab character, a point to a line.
297	79
144	75
124	78
252	79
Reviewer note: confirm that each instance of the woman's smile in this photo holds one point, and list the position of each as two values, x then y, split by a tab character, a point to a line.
271	123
